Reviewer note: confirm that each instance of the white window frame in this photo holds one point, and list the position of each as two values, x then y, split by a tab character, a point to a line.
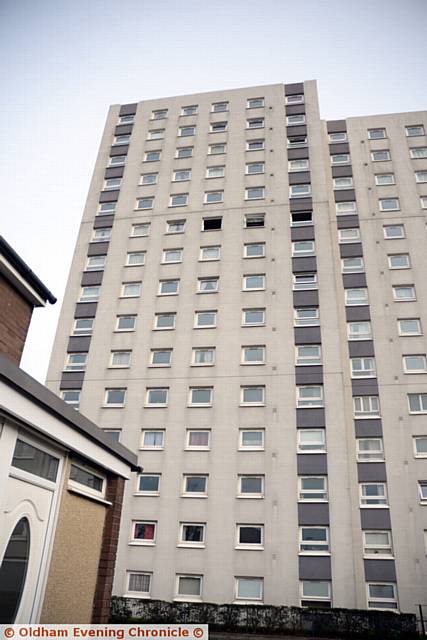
297	98
155	134
211	247
381	131
73	403
322	493
135	264
213	149
367	368
167	293
302	361
213	279
191	402
120	366
146	225
155	114
250	165
382	151
142	541
414	371
248	191
347	208
253	275
371	412
84	297
372	502
142	177
414	126
223	127
360	302
97	235
247	545
421	177
190	447
343	182
370	455
390	257
418	152
147	199
304	598
305	281
165	313
149	403
116	161
379	176
142	492
393	226
246	494
179	149
317	551
419	454
337	136
309	251
311	446
345	160
189	110
243	447
255	123
189	543
300	164
124	315
202	364
114	404
121	139
254	216
355	336
295	120
245	362
312	322
174	196
257	141
253	324
179	251
305	403
137	594
78	366
82	332
257	403
355	239
107	186
147	155
220	168
382	601
91	263
161	364
212	218
107	208
216	107
170	223
371	550
187	128
176	173
188	598
123	293
383	207
127	119
194	494
300	190
218	192
412	297
242	599
260	103
205	326
419	331
152	447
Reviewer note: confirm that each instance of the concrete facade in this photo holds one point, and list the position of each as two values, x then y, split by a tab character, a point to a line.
368	560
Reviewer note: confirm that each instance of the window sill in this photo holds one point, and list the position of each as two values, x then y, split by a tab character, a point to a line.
210	364
362	417
212	326
199	406
207	292
155	406
378	556
249	547
375	506
183	545
119	367
141	543
253	325
250	497
250	449
139	596
252	404
196	495
159	366
151	448
252	364
112	406
259	603
314	553
183	599
89	496
310	406
322	451
313	501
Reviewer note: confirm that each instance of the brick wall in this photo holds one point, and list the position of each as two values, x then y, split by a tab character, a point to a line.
15	317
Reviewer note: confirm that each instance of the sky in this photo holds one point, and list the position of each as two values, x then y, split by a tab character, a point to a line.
63	62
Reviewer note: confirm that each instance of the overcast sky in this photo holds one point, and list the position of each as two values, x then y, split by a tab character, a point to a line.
63	62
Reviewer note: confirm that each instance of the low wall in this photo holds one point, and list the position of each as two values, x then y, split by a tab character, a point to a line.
331	623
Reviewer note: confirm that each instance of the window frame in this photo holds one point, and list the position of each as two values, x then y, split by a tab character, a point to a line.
315	447
145	492
314	543
409	334
394	226
113	352
149	404
161	365
386	601
262	361
395	288
373	502
113	405
361	336
371	413
314	323
302	403
164	313
194	351
168	293
152	447
200	405
124	286
255	546
142	541
370	455
414	371
208	326
304	361
194	494
188	543
253	324
250	495
137	594
320	492
189	447
365	372
242	447
246	599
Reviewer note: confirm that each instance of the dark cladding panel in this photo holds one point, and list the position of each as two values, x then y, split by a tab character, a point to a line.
306	298
72	380
380	570
119	150
103	222
307	335
299	177
368	428
302	233
356	314
365	387
78	344
109	196
371	472
114	172
314	568
347	222
308	418
295	109
91	278
342	172
340	147
123	130
375	519
313	514
353	250
360	348
345	195
294	88
336	126
312	464
301	204
353	280
304	265
298	154
309	375
296	130
98	249
85	310
128	109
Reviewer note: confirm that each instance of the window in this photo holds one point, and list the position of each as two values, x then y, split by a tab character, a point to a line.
113	434
254	167
389	204
310	354
115	397
156	134
309	396
135	259
168	287
152	156
164	321
161	357
249	589
255	123
218	107
95	263
186	131
145	203
299	190
250	536
381	155
420	176
340	158
418	152
254	250
382	596
178	200
200	397
377	543
376	134
422	488
252	439
356	297
423	202
303	248
298	98
348	236
218	127
112	183
148	178
157	397
314	540
101	235
255	145
409	327
125	323
184	152
359	330
252	396
253	220
216	149
304	281
35	461
295	120
181	175
305	317
195	485
131	289
197	439
339	136
205	319
83	327
149	484
253	317
415	130
207	285
295	142
107	208
203	356
393	231
172	256
253	354
126	119
254	193
118	140
84	479
215	172
89	294
415	364
254	103
143	532
211	224
192	534
159	114
366	406
343	183
250	486
189	587
120	359
420	446
140	230
254	282
315	593
352	265
116	161
345	208
373	494
370	450
152	439
209	253
72	398
175	226
311	441
212	197
384	179
404	293
399	261
298	165
190	110
312	489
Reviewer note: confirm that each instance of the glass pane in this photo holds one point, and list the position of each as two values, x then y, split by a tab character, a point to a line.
149	483
198	438
189	586
250	535
316	589
86	478
254	439
249	588
196	484
251	485
13	571
192	533
34	460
